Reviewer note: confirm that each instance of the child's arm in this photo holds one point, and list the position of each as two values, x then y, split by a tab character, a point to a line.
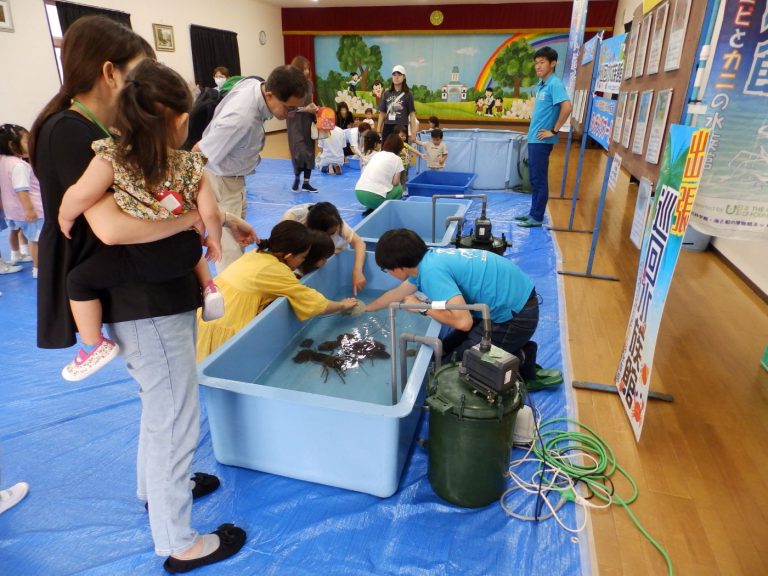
419	143
443	156
85	193
412	149
30	215
209	212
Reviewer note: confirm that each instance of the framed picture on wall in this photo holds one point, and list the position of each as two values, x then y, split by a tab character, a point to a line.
643	111
660	113
642	44
164	41
629	118
6	21
677	31
657	37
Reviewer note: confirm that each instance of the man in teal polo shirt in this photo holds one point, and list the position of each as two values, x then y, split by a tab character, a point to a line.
551	110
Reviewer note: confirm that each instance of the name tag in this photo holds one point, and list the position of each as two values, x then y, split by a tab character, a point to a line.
170	200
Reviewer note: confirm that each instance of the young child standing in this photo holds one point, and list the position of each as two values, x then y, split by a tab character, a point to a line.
22	203
369	118
406	155
435	149
153	180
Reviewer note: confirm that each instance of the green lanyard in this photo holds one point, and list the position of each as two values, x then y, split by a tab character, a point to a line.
91	116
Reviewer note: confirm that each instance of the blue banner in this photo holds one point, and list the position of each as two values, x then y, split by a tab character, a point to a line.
601	120
575	39
733	200
590	47
611	65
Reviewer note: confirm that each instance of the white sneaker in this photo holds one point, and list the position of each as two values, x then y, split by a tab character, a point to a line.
7	268
12	496
17	258
213	303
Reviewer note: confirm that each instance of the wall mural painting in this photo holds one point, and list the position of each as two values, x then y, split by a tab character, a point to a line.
459	77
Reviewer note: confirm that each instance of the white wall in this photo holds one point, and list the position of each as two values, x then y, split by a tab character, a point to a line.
749	257
625	10
28	76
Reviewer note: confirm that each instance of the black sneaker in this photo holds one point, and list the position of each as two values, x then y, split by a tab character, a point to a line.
295	184
308	187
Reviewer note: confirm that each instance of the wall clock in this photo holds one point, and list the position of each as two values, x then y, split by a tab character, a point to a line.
436	18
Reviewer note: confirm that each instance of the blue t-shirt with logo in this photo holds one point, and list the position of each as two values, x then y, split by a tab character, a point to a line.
480	276
550	93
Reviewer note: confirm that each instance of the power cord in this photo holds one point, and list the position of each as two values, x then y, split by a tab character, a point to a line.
567	458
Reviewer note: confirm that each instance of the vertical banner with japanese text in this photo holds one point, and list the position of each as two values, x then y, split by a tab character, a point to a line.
575	40
733	196
683	160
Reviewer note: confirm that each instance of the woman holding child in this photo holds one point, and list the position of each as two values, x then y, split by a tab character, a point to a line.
153	322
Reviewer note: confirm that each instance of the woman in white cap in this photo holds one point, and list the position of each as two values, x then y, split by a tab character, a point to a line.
397	107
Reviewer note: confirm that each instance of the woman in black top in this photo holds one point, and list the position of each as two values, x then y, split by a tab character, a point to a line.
397	107
153	323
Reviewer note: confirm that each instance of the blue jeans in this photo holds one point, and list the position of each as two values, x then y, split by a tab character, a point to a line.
538	168
160	355
511	335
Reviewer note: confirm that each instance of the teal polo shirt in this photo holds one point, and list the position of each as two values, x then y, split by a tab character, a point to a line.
549	94
480	276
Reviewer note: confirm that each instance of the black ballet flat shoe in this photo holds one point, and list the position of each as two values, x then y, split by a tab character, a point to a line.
204	485
231	539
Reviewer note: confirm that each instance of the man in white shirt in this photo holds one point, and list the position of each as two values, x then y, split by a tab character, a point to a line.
233	140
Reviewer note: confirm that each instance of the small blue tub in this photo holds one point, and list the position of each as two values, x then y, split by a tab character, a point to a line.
354	163
440	182
415	214
307	426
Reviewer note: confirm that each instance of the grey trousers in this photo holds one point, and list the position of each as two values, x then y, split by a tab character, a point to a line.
160	355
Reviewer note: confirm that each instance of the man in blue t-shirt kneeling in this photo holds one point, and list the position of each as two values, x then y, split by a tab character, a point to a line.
550	112
463	276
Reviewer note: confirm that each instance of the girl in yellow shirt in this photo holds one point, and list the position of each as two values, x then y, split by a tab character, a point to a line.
257	278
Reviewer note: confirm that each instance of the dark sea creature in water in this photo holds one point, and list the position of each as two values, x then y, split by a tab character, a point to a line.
362	349
307	343
328	346
329	362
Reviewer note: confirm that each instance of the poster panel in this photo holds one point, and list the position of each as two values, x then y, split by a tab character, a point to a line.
678	28
641	212
684	155
657	37
629	118
601	120
642	44
660	114
619	120
611	65
733	202
643	111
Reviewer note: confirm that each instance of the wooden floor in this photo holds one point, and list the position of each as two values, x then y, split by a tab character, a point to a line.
702	462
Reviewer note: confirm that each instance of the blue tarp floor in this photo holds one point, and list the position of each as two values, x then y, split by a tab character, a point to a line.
75	443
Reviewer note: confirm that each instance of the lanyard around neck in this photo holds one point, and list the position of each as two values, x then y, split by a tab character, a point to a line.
91	116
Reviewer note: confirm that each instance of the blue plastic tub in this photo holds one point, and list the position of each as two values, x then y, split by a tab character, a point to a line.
310	435
415	214
354	163
440	182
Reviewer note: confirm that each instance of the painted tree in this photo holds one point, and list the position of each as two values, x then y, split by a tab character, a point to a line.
356	57
513	67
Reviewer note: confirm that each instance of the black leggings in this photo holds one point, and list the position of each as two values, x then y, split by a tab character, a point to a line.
112	266
307	172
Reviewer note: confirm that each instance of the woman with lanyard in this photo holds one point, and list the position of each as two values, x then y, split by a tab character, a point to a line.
397	107
154	324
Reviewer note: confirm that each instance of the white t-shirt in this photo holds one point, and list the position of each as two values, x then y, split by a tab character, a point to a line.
379	172
300	212
353	137
332	148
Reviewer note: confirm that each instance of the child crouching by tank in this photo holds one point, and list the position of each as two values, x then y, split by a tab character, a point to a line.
20	192
153	180
332	151
406	155
257	278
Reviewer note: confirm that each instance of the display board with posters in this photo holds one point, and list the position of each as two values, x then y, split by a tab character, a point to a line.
637	160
